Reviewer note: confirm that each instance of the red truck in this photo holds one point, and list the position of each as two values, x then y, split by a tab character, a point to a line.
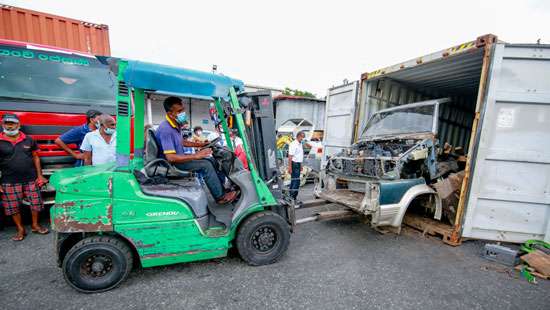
50	89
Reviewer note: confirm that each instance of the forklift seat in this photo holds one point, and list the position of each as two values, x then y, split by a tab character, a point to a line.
152	153
190	191
187	187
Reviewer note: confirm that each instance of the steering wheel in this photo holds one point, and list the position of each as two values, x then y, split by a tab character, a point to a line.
212	143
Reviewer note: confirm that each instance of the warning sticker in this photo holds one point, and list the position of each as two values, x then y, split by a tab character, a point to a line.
505	118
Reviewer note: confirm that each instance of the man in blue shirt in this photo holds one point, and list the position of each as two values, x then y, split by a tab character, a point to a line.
76	135
172	146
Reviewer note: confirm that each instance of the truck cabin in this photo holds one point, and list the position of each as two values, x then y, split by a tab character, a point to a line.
50	89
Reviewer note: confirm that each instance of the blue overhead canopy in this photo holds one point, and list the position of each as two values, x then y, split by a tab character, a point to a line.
179	81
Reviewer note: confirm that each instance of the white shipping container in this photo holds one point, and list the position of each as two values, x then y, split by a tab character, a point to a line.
500	115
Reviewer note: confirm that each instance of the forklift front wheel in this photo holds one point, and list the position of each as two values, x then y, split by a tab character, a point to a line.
97	264
263	238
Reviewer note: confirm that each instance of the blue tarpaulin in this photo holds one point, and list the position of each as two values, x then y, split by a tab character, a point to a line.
179	81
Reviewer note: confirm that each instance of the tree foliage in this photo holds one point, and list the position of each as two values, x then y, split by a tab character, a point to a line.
296	92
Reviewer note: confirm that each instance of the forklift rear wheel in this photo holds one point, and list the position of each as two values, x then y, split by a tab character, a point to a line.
97	264
263	238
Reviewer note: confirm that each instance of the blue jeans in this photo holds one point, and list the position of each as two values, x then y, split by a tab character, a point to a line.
295	179
206	169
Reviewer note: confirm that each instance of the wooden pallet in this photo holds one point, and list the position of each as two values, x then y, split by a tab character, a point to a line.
431	227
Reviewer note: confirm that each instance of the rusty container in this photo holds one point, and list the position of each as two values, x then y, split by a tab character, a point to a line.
41	28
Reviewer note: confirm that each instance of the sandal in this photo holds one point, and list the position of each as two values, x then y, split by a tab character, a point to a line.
40	231
18	237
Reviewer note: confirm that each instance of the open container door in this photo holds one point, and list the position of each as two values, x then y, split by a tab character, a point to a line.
509	198
339	117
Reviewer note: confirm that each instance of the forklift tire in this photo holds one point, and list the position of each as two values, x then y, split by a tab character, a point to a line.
263	238
97	264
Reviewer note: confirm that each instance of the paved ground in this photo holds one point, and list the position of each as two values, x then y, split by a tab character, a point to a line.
329	265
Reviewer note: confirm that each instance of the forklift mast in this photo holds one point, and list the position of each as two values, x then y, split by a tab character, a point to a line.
261	134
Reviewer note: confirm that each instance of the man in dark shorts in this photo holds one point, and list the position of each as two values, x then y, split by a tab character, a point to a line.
172	146
21	175
76	135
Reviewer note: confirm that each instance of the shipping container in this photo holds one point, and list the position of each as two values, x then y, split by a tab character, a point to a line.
293	107
500	116
339	116
24	25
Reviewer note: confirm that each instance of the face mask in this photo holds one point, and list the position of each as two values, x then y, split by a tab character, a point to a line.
11	133
97	124
109	131
181	117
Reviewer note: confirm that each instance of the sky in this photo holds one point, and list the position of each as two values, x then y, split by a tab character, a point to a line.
307	45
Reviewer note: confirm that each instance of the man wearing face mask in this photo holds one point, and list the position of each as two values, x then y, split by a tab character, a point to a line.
76	135
21	175
99	146
172	146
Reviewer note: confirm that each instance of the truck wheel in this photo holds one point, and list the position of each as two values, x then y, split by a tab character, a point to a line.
263	238
97	264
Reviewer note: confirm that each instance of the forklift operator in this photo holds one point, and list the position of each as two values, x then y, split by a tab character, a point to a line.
172	146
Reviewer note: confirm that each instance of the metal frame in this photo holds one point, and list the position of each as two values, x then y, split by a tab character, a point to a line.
435	102
135	112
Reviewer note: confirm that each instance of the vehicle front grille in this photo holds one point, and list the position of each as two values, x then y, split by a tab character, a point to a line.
364	167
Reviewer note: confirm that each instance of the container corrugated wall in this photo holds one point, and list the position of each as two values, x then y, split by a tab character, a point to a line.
310	110
36	27
509	198
456	118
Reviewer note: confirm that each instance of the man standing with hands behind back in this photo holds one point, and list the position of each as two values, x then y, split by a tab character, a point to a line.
21	175
295	159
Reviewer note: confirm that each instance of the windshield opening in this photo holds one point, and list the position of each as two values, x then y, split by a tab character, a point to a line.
402	121
56	77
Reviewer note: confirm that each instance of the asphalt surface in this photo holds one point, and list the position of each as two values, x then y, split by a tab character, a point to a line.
340	264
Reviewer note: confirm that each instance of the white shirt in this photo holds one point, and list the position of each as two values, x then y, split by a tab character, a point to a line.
295	149
102	152
237	141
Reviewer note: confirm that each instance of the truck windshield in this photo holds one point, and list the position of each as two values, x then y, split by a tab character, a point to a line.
36	75
402	121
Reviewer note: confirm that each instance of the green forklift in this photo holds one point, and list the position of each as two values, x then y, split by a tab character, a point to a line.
142	211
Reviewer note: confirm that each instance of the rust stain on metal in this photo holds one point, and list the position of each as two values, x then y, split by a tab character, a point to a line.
66	204
82	207
482	41
140	245
66	223
110	187
486	42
